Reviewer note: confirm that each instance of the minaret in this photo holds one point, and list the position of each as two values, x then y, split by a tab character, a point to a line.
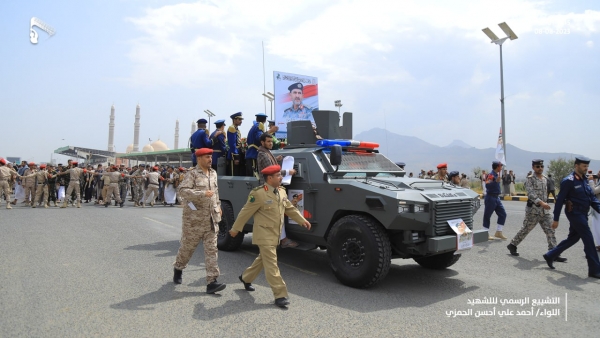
111	129
193	128
136	130
176	145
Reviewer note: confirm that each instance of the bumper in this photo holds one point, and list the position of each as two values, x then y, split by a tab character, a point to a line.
448	243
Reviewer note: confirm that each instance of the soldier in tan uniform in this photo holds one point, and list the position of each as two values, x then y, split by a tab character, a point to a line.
267	204
153	178
442	174
74	176
6	174
537	210
41	178
29	183
200	221
113	186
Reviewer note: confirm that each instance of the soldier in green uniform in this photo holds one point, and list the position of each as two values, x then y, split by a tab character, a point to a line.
267	204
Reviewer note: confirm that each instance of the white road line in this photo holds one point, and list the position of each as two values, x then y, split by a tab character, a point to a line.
288	265
159	222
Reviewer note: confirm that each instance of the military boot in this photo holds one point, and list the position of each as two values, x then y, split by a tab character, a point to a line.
64	205
136	204
55	203
152	203
177	278
78	204
33	205
499	235
513	249
215	287
8	206
46	205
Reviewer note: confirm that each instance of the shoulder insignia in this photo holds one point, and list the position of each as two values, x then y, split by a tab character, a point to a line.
256	188
231	129
261	126
281	188
266	188
251	199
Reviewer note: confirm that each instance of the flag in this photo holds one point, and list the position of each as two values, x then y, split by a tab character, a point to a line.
500	155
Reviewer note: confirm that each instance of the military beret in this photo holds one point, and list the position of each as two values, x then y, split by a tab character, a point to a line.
582	159
219	123
31	164
296	85
261	115
60	164
452	174
181	169
2	160
155	168
537	161
202	121
114	167
270	170
203	151
442	166
74	162
42	166
237	115
497	163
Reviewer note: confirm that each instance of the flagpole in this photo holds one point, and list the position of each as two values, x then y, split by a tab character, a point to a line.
502	105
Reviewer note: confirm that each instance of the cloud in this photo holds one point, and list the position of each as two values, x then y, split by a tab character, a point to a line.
590	44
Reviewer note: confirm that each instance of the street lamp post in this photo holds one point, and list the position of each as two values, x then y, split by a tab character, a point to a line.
210	114
512	36
338	104
270	96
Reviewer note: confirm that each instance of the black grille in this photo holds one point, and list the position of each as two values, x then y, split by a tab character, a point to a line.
443	212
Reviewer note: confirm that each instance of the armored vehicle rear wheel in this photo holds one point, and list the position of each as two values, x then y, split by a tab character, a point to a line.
438	262
224	241
359	251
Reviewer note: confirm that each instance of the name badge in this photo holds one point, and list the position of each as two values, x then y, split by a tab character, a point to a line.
577	186
269	202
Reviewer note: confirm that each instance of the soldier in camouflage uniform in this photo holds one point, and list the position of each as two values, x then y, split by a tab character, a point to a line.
29	183
41	179
537	210
52	185
200	222
138	185
6	174
75	174
123	183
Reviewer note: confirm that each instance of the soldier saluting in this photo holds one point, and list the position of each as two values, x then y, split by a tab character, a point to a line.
267	204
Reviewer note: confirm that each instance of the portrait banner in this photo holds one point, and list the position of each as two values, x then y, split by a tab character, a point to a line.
296	96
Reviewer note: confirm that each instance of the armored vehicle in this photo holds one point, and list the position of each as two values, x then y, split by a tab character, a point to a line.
362	208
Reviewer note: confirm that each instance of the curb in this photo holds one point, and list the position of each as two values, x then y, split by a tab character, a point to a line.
517	198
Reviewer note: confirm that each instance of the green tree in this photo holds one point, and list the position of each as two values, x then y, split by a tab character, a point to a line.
477	171
559	168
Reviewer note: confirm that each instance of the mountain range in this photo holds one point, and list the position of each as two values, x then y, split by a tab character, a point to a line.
418	154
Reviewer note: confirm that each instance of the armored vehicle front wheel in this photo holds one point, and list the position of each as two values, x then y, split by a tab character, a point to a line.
438	262
224	241
359	251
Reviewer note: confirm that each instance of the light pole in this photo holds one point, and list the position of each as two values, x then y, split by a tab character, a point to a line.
210	114
512	36
338	104
270	96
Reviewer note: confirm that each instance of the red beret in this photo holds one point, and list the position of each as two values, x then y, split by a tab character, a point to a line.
155	168
442	165
203	151
74	163
42	166
270	170
2	160
181	169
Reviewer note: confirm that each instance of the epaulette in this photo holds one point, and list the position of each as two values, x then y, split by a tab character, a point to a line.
231	129
282	188
570	177
261	126
257	188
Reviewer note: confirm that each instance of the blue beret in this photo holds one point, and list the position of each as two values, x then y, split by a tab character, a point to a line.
220	121
452	174
261	114
296	85
582	159
201	121
237	115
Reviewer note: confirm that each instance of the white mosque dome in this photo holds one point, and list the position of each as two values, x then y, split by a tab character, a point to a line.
129	149
148	148
159	145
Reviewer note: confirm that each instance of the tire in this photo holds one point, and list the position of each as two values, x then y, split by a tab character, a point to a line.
224	240
438	262
359	251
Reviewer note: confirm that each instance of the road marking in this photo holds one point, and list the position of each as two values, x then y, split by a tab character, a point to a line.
159	222
286	264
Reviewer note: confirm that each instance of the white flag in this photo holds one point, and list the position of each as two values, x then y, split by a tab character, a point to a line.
500	156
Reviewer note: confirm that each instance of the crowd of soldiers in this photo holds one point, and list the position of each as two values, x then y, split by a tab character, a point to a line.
45	185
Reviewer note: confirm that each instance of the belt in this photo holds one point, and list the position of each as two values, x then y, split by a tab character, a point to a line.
153	183
581	208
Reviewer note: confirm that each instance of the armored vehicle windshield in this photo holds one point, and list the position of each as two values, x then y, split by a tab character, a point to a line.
359	163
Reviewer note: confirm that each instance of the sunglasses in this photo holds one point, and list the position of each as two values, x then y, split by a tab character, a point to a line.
539	166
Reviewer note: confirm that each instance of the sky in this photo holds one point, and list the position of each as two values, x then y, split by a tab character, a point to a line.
415	68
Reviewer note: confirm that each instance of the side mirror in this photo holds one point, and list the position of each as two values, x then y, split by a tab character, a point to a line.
335	158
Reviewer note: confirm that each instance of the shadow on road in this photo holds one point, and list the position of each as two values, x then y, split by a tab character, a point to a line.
166	293
171	248
231	307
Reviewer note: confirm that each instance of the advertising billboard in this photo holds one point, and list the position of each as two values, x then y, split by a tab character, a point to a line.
296	96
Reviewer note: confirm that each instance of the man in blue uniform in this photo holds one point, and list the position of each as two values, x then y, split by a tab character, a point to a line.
234	153
253	141
199	139
492	201
219	143
298	111
576	190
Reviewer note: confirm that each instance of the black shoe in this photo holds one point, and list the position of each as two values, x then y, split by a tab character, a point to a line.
549	261
215	287
121	205
247	286
513	249
177	279
595	275
106	205
560	259
282	302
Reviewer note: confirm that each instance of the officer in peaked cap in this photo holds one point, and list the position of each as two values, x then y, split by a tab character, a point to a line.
219	143
576	189
298	111
400	165
200	139
492	201
454	177
235	153
253	142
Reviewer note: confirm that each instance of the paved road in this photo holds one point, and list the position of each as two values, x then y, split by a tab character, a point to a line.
107	272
